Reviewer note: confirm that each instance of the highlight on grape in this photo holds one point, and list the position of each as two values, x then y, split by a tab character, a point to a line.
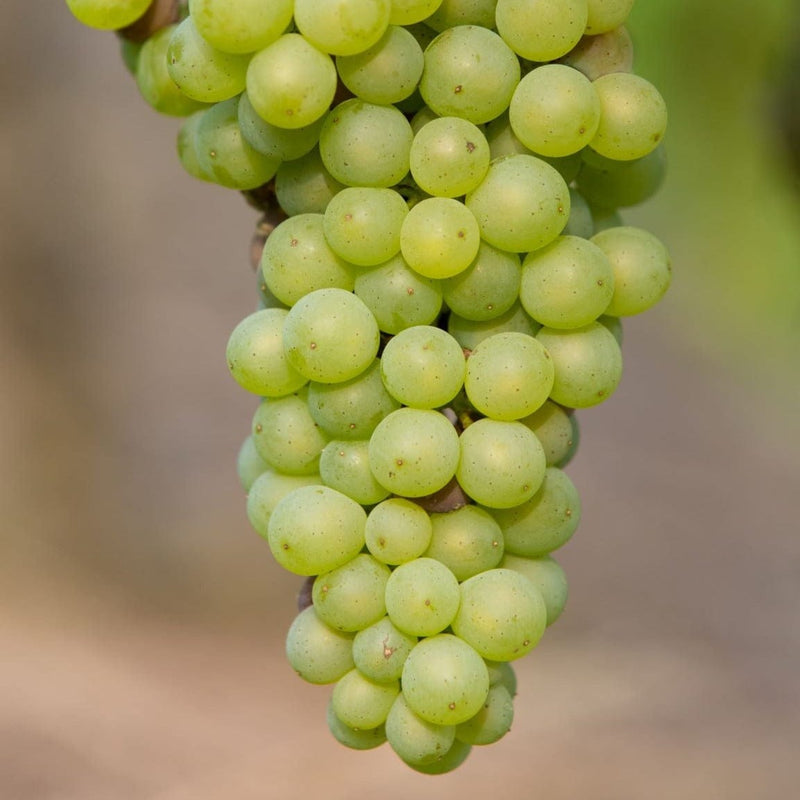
443	270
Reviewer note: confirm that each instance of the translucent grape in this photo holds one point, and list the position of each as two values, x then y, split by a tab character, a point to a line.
318	653
415	740
362	224
451	760
200	71
449	157
361	703
463	12
633	116
522	204
255	355
642	268
304	186
502	615
315	529
351	597
108	15
387	72
555	110
267	490
567	284
602	53
541	30
297	260
469	72
397	531
469	333
249	464
467	541
554	429
407	12
616	184
581	221
330	336
354	738
414	452
423	367
380	650
502	140
588	364
290	83
363	144
509	376
546	574
502	463
187	147
606	14
241	27
444	680
345	466
342	27
546	522
492	722
439	237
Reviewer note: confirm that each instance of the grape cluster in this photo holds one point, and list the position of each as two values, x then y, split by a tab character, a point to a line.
442	271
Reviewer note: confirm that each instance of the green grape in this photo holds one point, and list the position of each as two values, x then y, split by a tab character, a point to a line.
224	155
492	722
304	186
633	116
265	296
421	118
422	597
554	429
555	110
107	15
444	680
614	324
623	183
451	13
363	144
439	237
282	143
297	260
187	146
286	437
354	738
541	30
451	760
342	27
129	52
642	269
318	653
509	376
387	72
200	71
605	218
290	83
330	336
502	140
573	418
351	409
362	224
243	26
567	166
546	522
397	531
606	14
315	529
449	157
581	221
470	73
467	541
414	452
487	288
255	355
351	597
502	673
407	12
414	739
502	614
154	81
546	574
249	464
522	203
602	54
423	367
567	284
588	364
361	703
381	649
470	333
398	296
268	489
502	463
345	466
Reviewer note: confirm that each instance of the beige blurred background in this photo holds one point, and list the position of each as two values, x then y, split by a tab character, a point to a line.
142	621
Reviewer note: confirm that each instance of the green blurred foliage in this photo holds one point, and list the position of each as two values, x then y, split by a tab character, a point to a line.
730	208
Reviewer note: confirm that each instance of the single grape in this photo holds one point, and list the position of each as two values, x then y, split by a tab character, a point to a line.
470	333
342	27
541	30
187	147
249	464
361	703
407	12
354	738
345	466
397	531
304	186
318	653
618	184
381	649
462	12
581	221
267	490
606	14
107	15
243	26
451	760
415	740
492	722
546	574
554	429
602	53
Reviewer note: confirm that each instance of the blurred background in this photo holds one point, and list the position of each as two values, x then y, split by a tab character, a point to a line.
142	620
